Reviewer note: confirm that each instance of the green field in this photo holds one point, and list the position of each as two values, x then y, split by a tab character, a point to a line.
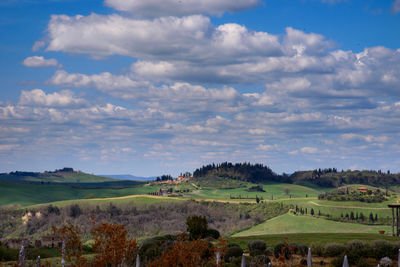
31	194
290	224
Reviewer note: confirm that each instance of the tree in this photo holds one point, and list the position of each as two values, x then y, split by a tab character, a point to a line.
111	245
371	217
197	226
70	235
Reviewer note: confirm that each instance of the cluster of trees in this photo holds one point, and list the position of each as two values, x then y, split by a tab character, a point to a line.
254	173
165	177
332	178
344	217
347	194
359	217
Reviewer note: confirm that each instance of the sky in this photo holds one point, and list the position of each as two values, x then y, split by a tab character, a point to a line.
151	87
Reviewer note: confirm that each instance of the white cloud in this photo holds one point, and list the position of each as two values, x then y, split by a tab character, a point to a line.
191	38
309	150
158	8
38	97
396	6
39	61
267	147
257	131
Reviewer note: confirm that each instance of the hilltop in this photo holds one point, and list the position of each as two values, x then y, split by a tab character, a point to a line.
65	175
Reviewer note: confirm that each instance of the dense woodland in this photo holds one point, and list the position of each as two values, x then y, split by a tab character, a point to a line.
254	173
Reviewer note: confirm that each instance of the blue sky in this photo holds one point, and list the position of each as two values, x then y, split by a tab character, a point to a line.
164	86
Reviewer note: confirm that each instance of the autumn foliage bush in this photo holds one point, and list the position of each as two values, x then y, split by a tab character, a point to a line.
188	253
111	245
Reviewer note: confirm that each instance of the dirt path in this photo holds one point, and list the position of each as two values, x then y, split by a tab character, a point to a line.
346	207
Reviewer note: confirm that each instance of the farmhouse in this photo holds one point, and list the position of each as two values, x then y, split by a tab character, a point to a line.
163	192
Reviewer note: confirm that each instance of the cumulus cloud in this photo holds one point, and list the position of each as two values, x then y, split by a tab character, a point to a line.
160	8
190	38
39	61
38	97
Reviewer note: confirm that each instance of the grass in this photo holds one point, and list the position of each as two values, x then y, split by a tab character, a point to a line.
290	224
309	238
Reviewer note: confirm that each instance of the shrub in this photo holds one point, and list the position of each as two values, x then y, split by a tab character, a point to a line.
8	254
302	249
334	249
356	249
256	247
318	249
233	252
259	260
281	249
213	233
381	249
152	248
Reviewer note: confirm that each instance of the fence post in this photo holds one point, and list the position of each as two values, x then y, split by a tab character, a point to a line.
63	254
21	257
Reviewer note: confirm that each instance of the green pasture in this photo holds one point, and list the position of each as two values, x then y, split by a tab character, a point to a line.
290	224
275	191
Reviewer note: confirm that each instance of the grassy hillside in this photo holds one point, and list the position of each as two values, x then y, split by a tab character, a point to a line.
30	194
290	224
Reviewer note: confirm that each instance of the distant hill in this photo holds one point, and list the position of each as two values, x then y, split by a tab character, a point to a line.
128	177
65	175
258	173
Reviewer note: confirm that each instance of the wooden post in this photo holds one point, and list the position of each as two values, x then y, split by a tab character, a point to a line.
392	221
